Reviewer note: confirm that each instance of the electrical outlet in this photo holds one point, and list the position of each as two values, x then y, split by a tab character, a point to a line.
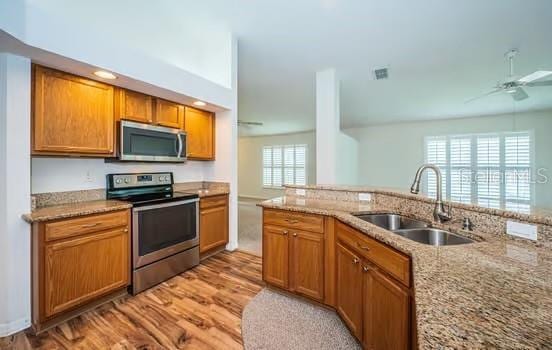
300	192
365	197
521	230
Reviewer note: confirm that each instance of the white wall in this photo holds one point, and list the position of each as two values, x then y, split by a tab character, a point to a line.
327	126
347	160
390	154
250	162
15	82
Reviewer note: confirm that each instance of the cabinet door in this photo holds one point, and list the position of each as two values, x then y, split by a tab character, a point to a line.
200	130
83	268
276	256
71	115
349	289
169	114
213	228
386	312
135	106
307	264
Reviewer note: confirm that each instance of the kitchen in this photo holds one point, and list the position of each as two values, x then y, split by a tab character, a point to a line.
126	156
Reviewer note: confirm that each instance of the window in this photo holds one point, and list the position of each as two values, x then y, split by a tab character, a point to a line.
284	165
491	170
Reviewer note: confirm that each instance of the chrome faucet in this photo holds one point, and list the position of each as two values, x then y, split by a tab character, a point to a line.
440	214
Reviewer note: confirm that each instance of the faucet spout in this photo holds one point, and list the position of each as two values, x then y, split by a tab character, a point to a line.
439	213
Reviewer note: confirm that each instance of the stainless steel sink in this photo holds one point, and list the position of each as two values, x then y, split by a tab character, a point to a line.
391	222
433	236
415	230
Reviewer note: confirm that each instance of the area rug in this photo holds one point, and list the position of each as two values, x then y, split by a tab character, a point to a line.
275	321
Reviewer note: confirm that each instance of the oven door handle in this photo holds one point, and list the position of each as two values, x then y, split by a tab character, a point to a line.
165	205
180	145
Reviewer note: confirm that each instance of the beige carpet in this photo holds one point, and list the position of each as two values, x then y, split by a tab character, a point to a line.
276	321
250	226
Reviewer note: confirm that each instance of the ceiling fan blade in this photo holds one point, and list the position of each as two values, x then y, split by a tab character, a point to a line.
540	83
519	94
483	95
534	76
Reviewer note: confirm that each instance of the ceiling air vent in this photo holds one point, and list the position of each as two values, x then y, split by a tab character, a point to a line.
381	73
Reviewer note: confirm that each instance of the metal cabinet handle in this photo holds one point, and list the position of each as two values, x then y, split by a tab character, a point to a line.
126	230
284	233
355	260
294	234
90	225
365	247
366	268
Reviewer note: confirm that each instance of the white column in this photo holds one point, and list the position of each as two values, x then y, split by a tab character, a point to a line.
15	192
327	126
336	152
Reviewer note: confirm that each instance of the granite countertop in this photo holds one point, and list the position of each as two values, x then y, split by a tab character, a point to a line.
495	293
207	192
63	211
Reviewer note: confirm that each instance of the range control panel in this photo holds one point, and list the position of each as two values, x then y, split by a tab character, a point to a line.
139	180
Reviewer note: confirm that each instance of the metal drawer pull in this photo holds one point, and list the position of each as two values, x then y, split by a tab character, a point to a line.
365	268
365	247
292	221
126	230
295	235
355	261
285	233
91	225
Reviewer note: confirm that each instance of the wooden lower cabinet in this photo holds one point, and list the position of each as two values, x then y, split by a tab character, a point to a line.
307	264
79	265
79	269
349	289
386	308
368	280
294	260
213	223
276	256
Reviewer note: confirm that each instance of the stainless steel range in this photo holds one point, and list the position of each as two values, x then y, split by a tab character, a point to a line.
165	226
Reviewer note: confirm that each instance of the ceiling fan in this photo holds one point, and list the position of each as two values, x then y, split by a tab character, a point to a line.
246	123
513	85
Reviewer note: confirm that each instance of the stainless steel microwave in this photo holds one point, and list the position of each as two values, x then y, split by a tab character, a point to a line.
151	143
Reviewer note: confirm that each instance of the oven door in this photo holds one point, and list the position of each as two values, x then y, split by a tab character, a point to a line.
150	143
161	230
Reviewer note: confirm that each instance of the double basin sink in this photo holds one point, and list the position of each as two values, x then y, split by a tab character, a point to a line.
414	230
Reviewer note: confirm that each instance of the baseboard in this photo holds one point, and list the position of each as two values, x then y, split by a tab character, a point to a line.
13	327
231	246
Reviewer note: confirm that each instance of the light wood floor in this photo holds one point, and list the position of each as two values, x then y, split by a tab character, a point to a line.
199	309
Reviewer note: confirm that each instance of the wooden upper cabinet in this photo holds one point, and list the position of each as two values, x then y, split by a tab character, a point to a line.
307	264
386	312
169	114
71	115
131	105
349	289
200	130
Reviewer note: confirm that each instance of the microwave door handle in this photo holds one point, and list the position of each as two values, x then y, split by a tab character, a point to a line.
180	145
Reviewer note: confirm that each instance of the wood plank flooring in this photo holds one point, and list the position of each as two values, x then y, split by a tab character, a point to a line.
199	309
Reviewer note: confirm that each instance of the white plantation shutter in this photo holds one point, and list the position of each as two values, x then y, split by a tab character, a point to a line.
436	153
284	165
493	170
488	171
460	169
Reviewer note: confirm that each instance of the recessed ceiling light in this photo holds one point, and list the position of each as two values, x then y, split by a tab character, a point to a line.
200	103
105	75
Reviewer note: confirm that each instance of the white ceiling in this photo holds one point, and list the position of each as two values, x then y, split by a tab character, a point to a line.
439	53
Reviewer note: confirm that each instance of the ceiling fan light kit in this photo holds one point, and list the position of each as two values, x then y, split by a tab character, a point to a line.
513	85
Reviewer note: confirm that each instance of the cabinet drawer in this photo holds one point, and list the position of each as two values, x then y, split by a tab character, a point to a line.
215	201
82	225
300	221
391	261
